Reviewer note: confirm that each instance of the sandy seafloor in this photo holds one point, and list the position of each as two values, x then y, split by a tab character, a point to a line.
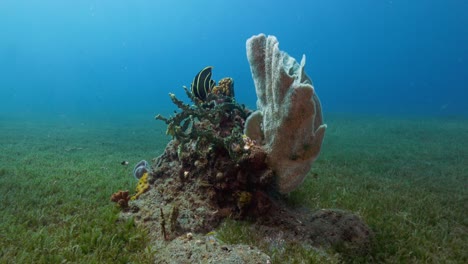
407	177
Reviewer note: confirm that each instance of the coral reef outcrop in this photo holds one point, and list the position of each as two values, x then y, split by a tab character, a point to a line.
211	170
208	171
288	123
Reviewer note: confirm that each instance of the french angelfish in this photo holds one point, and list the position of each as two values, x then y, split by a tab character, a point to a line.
202	83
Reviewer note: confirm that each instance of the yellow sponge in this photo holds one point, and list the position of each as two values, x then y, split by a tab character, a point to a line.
141	187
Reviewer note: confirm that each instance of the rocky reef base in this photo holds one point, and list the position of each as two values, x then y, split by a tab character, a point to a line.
180	211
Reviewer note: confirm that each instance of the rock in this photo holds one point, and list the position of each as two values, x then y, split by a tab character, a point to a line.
183	250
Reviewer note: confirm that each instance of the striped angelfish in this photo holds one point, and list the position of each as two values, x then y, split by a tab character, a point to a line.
202	83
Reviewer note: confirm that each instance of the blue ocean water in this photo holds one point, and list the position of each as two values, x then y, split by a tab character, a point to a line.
394	57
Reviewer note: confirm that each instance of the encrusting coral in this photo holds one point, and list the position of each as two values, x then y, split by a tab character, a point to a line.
225	87
121	198
288	123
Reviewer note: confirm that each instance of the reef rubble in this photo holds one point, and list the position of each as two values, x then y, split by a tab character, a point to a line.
211	171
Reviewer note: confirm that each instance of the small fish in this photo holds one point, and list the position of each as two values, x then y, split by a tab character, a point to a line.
124	162
202	83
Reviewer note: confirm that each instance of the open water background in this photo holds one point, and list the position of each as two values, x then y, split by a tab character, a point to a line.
121	58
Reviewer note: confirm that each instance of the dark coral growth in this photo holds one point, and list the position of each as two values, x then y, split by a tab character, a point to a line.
209	150
218	121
